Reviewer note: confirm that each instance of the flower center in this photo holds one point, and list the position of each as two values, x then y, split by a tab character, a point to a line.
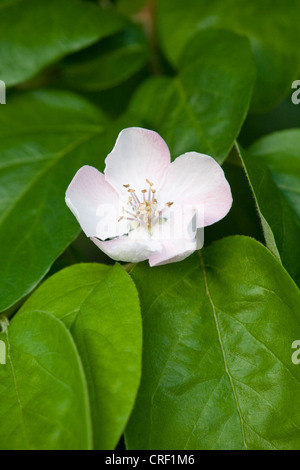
144	211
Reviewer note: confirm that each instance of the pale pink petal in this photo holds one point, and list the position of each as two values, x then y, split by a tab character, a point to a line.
178	224
127	249
95	204
177	237
138	154
194	179
173	251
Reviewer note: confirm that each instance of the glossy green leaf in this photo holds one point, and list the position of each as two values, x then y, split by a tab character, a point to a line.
280	224
35	33
204	107
217	357
45	138
108	64
100	306
271	26
43	395
280	152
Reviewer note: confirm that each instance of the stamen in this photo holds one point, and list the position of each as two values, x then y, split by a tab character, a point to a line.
130	213
144	192
127	218
167	206
134	196
145	213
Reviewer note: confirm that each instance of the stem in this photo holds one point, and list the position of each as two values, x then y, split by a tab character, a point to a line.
129	267
146	17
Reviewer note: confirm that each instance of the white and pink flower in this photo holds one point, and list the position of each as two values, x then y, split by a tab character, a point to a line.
144	206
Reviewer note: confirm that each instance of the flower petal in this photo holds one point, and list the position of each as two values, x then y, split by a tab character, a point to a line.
178	238
95	204
173	251
138	154
198	180
128	249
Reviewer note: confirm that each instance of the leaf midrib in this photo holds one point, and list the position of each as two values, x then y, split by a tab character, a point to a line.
223	350
20	406
44	171
190	113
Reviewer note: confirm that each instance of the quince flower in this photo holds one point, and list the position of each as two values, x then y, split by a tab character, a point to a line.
144	206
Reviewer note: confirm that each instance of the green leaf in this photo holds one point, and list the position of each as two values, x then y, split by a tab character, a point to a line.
217	368
280	224
34	34
280	152
100	306
108	64
43	396
130	7
271	26
45	138
204	107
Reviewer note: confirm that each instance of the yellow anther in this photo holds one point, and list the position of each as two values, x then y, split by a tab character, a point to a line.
126	185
